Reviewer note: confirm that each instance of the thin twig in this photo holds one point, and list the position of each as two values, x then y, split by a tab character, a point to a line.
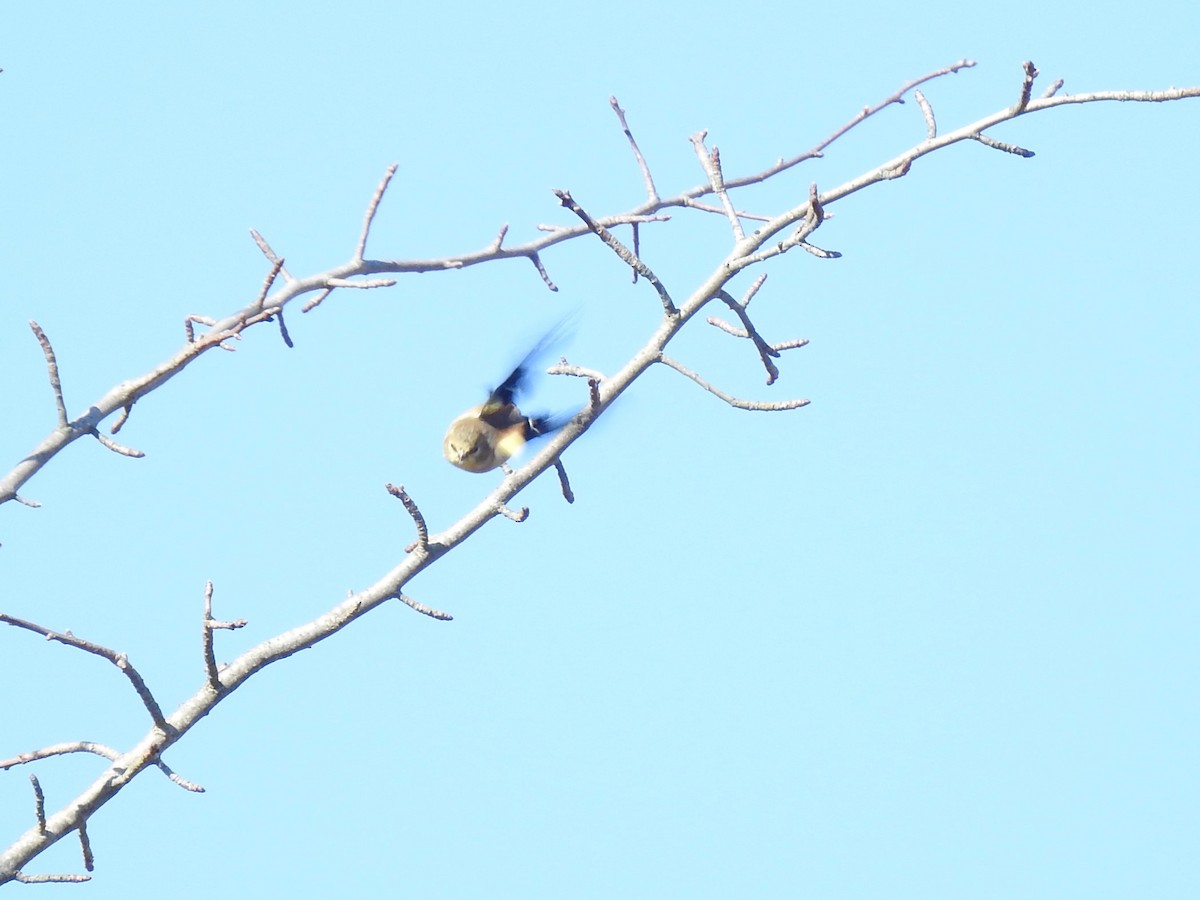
120	660
257	305
1031	73
316	301
517	515
362	284
209	626
59	750
22	878
283	332
562	367
89	861
410	506
790	345
122	418
102	750
52	366
651	191
710	162
1000	145
563	481
927	112
39	803
729	398
423	609
114	446
818	150
210	658
618	248
371	210
753	289
764	349
269	253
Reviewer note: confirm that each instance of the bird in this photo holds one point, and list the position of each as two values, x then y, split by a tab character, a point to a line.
487	436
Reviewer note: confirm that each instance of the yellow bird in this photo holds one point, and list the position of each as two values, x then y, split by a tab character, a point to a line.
485	437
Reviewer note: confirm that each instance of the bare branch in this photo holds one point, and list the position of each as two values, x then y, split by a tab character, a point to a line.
120	660
39	803
59	750
270	254
517	515
114	446
122	418
52	366
710	162
790	345
210	659
753	289
927	112
819	150
410	506
536	259
1000	145
283	332
191	319
593	378
362	284
425	610
316	301
276	267
729	398
618	248
102	750
764	349
563	481
210	625
85	845
22	878
1031	73
372	208
799	220
651	192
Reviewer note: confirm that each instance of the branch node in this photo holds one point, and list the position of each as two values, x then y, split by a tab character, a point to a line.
211	670
765	352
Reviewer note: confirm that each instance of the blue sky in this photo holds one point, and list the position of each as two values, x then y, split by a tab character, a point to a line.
934	635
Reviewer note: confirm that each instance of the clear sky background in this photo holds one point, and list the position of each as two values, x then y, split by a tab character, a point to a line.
935	635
